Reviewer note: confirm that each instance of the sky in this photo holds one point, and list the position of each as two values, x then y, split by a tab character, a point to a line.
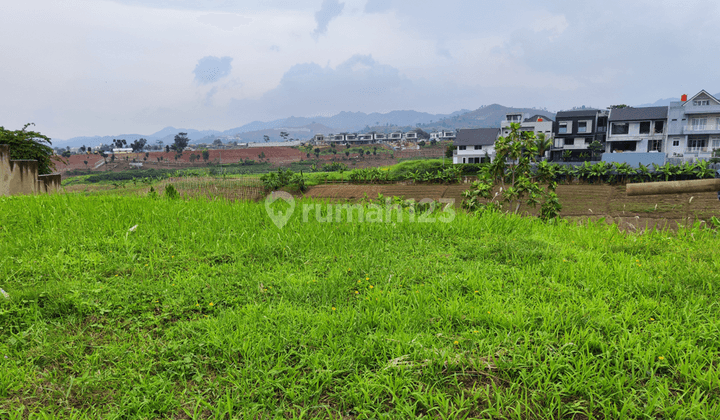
108	67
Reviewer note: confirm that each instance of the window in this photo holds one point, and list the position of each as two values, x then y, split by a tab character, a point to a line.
698	124
676	143
588	141
582	127
477	147
562	129
655	146
697	144
715	143
702	102
569	142
620	128
659	127
645	127
461	147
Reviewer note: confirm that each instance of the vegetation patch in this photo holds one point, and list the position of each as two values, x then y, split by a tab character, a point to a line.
145	307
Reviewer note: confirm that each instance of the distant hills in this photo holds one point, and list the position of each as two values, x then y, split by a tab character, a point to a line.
304	128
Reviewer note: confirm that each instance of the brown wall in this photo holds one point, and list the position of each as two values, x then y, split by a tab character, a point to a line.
21	176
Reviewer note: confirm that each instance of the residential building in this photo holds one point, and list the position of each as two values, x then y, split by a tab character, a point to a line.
442	135
575	130
637	129
475	145
537	124
693	127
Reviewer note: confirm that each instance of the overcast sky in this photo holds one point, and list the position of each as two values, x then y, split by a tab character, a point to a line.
104	67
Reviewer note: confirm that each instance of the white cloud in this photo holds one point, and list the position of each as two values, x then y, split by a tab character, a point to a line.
329	10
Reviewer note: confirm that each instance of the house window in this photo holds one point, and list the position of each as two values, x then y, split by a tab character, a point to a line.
569	142
659	127
461	147
676	143
478	147
702	102
655	146
562	129
588	141
620	128
645	127
697	144
582	127
698	124
715	143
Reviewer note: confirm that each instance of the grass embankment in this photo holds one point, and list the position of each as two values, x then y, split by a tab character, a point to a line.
207	309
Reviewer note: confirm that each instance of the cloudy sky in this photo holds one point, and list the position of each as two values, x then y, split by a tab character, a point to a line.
107	67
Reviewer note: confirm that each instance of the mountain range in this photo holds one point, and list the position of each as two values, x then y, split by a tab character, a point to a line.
303	128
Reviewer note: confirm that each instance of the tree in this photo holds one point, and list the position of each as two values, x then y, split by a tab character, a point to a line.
596	148
284	135
346	153
620	106
82	149
205	155
65	154
167	149
217	143
266	138
181	142
138	145
119	143
85	162
543	145
512	172
29	145
192	158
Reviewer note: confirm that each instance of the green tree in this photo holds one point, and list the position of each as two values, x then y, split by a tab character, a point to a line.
596	148
205	155
512	176
266	138
29	145
138	145
181	142
543	145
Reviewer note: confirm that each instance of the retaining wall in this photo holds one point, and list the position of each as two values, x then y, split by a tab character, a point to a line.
21	176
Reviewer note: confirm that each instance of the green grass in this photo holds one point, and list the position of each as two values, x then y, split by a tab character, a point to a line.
207	310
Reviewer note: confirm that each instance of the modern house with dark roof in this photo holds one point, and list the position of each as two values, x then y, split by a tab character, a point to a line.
640	130
575	130
693	127
475	145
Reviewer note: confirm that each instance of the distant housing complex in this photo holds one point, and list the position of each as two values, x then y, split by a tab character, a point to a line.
687	130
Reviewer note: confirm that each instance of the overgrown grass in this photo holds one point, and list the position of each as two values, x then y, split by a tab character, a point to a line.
133	307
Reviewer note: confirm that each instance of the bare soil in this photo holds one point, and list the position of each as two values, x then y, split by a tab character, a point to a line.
580	202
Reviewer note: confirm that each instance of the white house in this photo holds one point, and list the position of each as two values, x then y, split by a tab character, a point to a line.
474	145
637	129
693	127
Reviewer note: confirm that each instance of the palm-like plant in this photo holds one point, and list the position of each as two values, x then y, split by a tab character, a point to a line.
543	145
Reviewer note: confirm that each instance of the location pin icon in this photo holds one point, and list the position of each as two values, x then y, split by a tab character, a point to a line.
279	218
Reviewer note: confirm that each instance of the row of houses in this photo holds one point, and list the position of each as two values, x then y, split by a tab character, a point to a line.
687	130
368	138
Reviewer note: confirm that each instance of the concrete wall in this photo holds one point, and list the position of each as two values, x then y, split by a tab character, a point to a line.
21	176
633	159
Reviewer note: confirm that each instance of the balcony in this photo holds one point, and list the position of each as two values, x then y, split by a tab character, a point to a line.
702	128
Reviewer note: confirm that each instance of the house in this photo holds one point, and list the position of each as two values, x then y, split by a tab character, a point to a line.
538	124
411	135
693	127
575	130
379	137
395	135
475	145
442	135
637	129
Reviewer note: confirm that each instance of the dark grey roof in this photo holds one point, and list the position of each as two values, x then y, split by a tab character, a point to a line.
477	136
534	118
635	114
577	113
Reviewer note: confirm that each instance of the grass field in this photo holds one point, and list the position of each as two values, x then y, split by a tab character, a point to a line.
135	307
